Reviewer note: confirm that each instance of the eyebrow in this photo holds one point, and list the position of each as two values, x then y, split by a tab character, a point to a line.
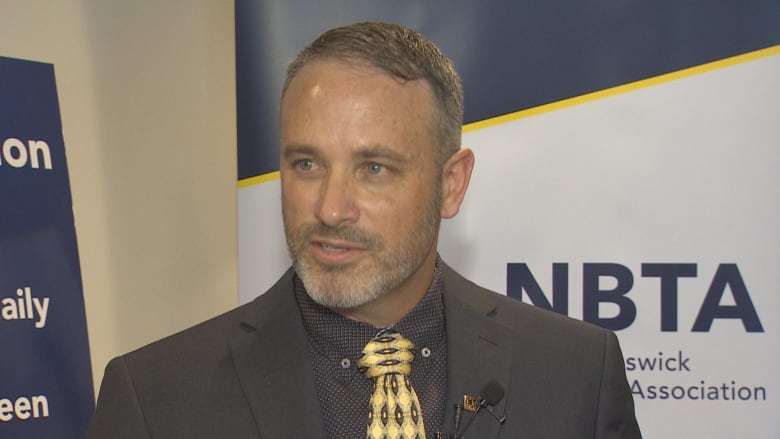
380	151
369	152
299	149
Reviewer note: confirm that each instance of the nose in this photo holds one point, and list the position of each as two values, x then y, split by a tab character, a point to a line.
336	204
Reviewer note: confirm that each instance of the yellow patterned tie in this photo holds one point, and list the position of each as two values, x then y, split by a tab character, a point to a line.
394	411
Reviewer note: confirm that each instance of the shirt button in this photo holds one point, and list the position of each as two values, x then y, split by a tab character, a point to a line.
345	363
425	352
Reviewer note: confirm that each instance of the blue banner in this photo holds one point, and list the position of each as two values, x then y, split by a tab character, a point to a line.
511	55
45	374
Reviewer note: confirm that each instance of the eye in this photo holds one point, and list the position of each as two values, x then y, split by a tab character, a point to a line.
304	165
375	168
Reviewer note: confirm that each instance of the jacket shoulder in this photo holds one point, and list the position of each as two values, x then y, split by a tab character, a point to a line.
514	313
211	338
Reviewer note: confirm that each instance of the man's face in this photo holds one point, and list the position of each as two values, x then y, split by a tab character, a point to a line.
361	191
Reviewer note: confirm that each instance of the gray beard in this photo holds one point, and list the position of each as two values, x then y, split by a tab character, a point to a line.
341	286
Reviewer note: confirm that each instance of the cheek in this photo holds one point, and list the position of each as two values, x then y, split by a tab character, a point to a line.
394	213
293	200
403	203
300	202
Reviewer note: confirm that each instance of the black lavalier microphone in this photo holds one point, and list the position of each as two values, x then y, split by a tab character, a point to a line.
491	395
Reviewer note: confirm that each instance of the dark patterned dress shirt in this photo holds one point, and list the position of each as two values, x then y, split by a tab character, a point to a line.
336	342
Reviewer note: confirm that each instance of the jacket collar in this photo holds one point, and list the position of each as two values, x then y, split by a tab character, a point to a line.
478	352
280	389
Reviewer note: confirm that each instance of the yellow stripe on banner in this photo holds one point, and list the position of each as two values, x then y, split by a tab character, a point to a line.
668	77
258	179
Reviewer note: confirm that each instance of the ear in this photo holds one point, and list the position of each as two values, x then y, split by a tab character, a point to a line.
455	181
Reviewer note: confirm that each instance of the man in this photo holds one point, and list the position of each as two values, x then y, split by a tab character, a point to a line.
371	161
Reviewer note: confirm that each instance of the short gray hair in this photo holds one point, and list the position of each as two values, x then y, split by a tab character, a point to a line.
402	53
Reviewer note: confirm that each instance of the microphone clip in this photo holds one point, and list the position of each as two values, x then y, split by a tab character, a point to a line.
500	418
471	403
491	395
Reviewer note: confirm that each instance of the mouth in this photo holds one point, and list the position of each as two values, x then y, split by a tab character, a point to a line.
332	248
337	246
338	252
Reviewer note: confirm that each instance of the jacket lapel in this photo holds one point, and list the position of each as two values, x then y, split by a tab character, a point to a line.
273	366
478	352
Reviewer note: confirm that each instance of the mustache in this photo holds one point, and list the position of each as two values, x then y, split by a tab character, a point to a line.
349	234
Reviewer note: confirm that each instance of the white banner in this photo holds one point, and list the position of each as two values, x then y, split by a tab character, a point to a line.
651	208
668	193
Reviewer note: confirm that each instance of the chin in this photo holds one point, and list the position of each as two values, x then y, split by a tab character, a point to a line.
341	288
341	299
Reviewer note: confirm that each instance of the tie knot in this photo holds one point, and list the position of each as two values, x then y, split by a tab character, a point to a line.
387	353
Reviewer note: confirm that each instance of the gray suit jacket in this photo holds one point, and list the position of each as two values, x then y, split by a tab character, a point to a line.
246	374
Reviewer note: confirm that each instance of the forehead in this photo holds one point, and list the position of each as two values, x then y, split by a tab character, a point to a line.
341	94
332	72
